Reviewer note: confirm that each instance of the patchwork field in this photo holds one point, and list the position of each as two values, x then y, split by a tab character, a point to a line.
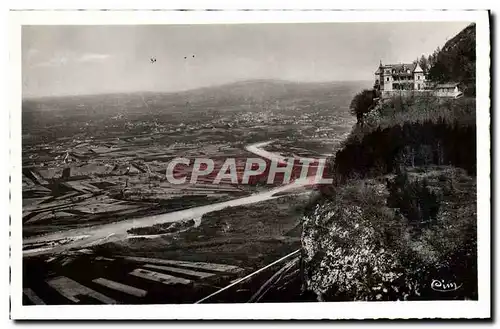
90	161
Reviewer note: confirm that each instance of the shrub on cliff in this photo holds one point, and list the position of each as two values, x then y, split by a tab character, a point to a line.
414	200
359	247
379	152
362	103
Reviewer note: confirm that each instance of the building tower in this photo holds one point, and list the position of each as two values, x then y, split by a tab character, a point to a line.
386	77
418	78
378	85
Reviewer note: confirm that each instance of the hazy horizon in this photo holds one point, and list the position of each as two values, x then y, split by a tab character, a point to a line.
27	97
87	60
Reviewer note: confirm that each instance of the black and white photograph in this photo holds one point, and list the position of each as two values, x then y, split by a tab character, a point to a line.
185	165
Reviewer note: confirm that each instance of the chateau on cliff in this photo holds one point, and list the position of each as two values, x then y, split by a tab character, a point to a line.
392	77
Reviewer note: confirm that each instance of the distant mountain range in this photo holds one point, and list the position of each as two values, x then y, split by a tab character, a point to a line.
237	93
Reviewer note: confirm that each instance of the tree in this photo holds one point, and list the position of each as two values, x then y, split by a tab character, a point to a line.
424	64
362	103
430	60
439	71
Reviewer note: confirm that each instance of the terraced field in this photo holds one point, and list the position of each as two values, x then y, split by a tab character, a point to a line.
80	278
86	278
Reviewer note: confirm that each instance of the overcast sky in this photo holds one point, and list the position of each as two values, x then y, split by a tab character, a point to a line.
62	60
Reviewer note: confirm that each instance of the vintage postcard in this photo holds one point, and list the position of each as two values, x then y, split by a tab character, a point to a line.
250	165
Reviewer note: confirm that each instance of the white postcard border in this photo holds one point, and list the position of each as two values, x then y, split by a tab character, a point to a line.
338	310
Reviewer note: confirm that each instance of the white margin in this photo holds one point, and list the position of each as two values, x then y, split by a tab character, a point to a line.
339	310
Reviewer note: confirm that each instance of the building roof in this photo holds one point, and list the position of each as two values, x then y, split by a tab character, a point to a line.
400	69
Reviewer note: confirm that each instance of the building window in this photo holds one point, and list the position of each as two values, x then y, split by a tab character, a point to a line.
418	86
387	79
418	77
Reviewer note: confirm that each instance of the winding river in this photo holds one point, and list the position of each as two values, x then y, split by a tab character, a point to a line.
99	234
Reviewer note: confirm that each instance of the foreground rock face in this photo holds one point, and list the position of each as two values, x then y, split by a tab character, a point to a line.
357	248
340	255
